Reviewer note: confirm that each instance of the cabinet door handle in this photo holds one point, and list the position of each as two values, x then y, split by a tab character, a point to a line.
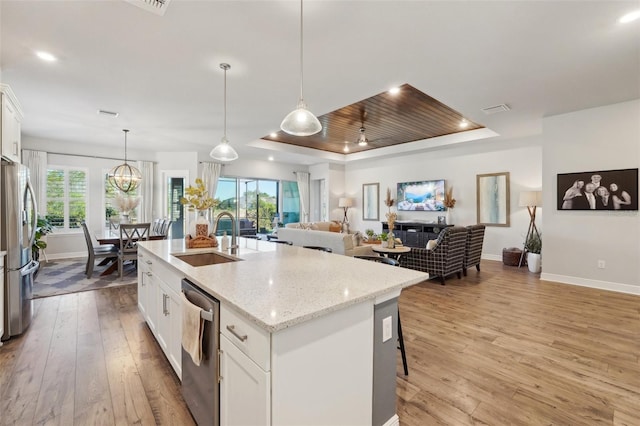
148	262
219	368
232	329
164	304
148	274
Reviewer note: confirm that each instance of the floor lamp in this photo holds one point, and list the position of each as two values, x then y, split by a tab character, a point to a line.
345	203
531	200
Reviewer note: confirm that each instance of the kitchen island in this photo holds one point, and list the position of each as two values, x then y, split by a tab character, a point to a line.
306	337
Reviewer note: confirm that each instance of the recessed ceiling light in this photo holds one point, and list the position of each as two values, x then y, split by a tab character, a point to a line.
46	56
464	123
271	158
629	17
394	90
273	134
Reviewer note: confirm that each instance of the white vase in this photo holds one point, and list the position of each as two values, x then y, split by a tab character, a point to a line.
124	218
391	243
534	262
384	244
448	219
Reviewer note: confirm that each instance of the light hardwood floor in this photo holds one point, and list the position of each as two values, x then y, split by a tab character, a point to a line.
498	347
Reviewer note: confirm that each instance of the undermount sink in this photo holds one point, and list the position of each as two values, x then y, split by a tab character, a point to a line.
204	259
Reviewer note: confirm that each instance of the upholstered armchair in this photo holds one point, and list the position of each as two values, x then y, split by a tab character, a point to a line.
445	258
473	248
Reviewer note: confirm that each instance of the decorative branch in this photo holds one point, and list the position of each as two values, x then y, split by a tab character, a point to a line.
449	202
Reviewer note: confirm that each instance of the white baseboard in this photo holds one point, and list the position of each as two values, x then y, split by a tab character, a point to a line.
585	282
57	256
492	257
393	421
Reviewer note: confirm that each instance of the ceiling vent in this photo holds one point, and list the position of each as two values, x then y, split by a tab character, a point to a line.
108	113
154	6
496	109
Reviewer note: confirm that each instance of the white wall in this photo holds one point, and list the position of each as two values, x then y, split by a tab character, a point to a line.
604	138
459	165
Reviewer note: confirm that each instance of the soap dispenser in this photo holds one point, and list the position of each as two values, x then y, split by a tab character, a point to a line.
225	241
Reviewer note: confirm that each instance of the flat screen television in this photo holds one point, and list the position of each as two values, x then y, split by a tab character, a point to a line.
426	195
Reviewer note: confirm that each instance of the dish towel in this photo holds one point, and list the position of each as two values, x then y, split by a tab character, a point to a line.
192	329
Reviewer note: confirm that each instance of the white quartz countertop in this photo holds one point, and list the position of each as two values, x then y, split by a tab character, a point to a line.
277	286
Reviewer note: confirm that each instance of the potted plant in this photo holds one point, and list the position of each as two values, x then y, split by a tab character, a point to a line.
197	200
383	237
43	227
534	247
372	238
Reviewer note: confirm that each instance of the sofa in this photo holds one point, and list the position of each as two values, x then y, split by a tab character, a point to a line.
319	234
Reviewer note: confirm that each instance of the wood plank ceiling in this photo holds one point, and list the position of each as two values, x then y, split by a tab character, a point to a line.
389	119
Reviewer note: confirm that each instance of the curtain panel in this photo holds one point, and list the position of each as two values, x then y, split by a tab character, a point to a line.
145	214
210	176
303	188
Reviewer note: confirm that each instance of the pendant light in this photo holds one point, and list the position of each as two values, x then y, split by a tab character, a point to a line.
301	121
224	151
362	139
124	177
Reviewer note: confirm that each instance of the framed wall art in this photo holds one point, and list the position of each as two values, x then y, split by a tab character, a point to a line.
370	201
493	199
598	190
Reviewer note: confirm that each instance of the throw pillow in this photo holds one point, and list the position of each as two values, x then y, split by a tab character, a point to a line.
314	226
335	227
431	244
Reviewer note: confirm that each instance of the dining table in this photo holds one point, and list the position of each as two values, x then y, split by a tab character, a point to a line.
112	236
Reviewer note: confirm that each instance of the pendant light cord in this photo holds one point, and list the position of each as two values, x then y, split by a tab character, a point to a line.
125	145
301	57
225	102
225	67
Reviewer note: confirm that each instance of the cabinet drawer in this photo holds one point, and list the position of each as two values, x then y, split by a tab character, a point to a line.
248	337
160	270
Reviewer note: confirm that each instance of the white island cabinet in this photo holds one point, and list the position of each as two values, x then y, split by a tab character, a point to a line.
301	338
160	304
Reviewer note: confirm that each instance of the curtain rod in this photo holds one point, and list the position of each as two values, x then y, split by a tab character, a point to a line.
92	156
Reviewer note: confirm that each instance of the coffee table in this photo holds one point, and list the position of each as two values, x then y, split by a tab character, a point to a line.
395	252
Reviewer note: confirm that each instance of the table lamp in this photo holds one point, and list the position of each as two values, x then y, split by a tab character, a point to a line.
531	200
345	203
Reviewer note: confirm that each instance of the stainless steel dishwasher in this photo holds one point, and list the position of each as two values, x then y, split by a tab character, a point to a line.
200	384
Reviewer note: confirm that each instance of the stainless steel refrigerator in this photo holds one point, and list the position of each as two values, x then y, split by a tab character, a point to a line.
19	221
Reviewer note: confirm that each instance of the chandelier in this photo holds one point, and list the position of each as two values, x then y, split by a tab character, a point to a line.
124	177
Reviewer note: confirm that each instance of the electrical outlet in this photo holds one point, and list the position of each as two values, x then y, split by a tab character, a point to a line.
601	264
387	329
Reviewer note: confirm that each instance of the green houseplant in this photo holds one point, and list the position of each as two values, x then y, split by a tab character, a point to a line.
43	227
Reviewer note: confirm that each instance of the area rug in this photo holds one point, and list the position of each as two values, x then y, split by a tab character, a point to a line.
67	276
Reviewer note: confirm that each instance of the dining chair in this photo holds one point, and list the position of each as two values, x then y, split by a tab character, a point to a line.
102	252
157	225
392	262
130	234
327	249
165	228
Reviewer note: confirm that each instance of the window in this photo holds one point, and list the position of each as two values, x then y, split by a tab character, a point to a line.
253	201
66	197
